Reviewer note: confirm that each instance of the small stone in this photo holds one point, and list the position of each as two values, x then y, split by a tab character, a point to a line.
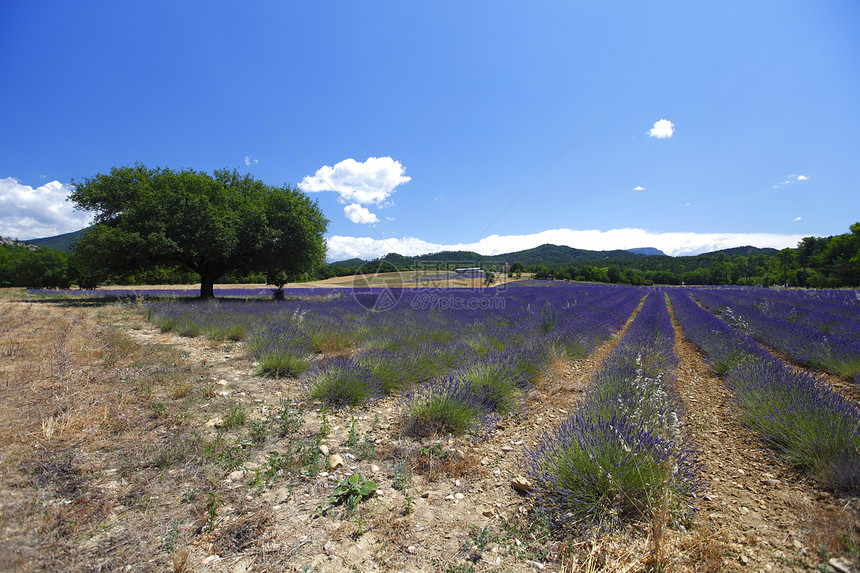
459	495
282	496
744	559
744	511
236	475
487	513
741	472
374	468
215	423
222	382
507	448
536	565
412	550
334	462
841	564
450	497
324	449
456	483
770	481
427	494
521	484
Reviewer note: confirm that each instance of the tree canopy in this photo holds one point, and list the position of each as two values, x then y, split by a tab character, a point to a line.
210	224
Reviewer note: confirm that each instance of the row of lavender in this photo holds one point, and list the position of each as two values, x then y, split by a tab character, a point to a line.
622	453
811	426
458	357
817	329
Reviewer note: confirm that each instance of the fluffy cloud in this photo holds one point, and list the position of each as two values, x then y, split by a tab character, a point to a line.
639	188
249	161
367	183
662	129
28	213
358	214
796	219
675	244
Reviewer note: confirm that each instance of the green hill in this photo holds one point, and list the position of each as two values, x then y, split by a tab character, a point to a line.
60	242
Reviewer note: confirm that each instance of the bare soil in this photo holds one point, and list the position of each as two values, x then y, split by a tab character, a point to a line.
119	452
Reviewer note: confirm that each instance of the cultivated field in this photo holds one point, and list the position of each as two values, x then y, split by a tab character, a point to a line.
528	426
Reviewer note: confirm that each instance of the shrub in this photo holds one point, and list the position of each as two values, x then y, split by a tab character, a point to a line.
281	349
445	406
496	382
341	382
600	473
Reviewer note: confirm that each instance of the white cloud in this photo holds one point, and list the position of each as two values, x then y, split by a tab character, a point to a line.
791	179
639	188
28	213
796	219
358	214
675	244
367	183
249	161
662	129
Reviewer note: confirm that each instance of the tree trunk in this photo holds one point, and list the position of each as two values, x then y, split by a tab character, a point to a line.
207	284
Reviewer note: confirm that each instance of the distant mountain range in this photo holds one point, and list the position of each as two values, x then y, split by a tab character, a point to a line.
549	255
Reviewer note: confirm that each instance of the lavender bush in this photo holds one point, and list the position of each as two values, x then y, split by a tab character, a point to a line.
622	452
341	382
803	418
446	405
808	338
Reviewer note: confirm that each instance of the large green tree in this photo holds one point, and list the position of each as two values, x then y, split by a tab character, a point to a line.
210	224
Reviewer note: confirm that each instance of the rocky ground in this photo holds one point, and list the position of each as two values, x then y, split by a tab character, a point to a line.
99	493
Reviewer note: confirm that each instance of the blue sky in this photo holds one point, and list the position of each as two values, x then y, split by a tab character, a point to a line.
493	126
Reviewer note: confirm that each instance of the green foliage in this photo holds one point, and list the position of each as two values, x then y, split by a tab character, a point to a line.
350	492
402	479
288	419
284	362
434	451
21	266
234	416
227	457
213	501
209	224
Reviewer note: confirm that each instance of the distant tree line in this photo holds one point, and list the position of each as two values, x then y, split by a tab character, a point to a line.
828	262
817	262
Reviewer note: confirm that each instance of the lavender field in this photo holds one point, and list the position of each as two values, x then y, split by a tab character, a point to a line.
560	424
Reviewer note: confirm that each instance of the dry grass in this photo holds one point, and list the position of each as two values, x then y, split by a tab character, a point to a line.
76	410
